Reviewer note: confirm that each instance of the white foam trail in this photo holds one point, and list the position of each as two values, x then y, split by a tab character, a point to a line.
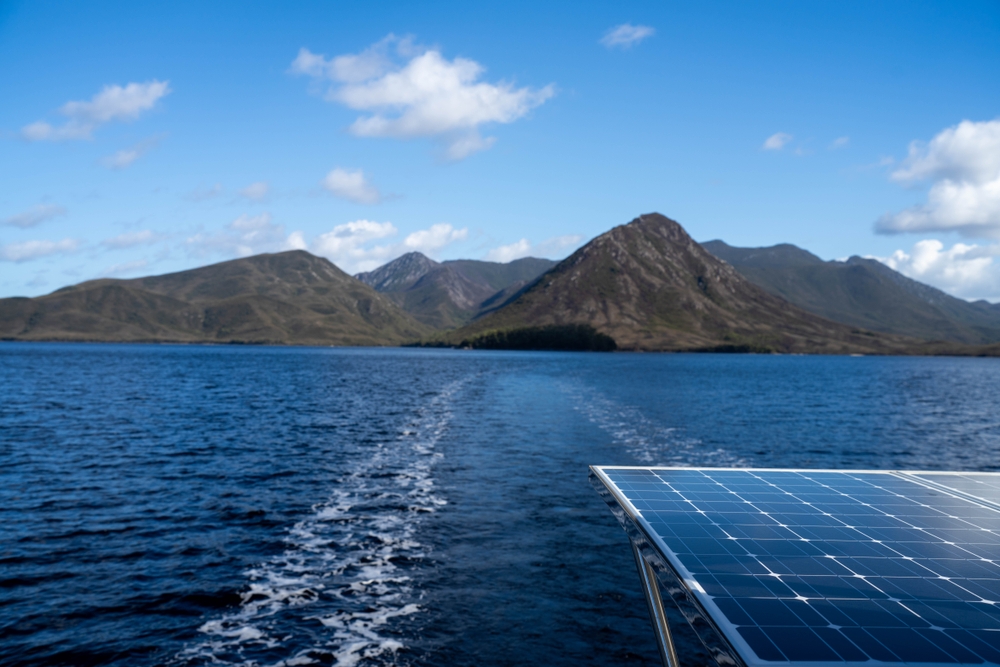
342	557
647	442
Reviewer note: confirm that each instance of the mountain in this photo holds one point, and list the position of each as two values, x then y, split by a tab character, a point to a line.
650	286
445	295
863	293
290	297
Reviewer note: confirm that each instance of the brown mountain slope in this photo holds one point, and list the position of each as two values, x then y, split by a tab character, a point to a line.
290	297
651	287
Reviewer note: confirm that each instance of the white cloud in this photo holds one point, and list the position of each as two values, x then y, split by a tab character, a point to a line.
555	247
839	142
352	68
348	245
132	239
34	216
427	96
246	235
29	250
112	103
776	141
351	184
963	165
429	241
967	152
296	241
626	35
965	271
256	191
507	253
353	246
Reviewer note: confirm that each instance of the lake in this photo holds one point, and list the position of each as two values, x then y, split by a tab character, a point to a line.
195	505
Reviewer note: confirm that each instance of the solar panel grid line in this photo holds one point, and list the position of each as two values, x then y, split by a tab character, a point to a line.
966	493
772	542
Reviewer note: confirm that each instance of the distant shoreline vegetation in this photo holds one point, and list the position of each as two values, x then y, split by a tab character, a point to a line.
554	337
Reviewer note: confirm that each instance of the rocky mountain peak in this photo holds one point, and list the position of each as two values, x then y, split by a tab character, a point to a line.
399	274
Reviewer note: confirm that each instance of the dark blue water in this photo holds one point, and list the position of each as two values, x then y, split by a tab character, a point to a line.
166	505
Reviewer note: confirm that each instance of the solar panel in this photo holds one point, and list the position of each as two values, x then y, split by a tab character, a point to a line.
827	567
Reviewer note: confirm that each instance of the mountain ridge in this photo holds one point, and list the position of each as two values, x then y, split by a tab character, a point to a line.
647	284
291	298
863	292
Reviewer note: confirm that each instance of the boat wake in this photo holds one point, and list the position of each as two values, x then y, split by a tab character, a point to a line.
332	595
647	442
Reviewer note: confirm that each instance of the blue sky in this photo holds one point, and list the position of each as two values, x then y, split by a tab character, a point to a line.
143	139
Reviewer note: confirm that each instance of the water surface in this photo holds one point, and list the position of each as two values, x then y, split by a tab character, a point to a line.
186	505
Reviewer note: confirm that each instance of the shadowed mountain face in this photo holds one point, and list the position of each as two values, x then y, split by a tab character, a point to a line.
290	297
448	294
650	286
863	293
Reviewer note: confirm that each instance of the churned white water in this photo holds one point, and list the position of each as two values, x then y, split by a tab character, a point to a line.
340	572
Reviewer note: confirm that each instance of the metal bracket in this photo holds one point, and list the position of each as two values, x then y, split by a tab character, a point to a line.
656	613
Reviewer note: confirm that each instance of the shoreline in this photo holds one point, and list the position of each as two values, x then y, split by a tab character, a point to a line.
949	349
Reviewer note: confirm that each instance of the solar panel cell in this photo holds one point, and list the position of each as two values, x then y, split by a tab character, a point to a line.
840	644
760	644
910	646
800	644
961	653
985	643
870	646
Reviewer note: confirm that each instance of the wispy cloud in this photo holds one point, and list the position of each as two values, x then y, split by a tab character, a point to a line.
626	35
351	184
555	247
777	141
411	91
360	245
125	268
125	157
112	103
29	250
34	216
839	142
962	163
256	191
246	235
132	239
39	280
204	194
